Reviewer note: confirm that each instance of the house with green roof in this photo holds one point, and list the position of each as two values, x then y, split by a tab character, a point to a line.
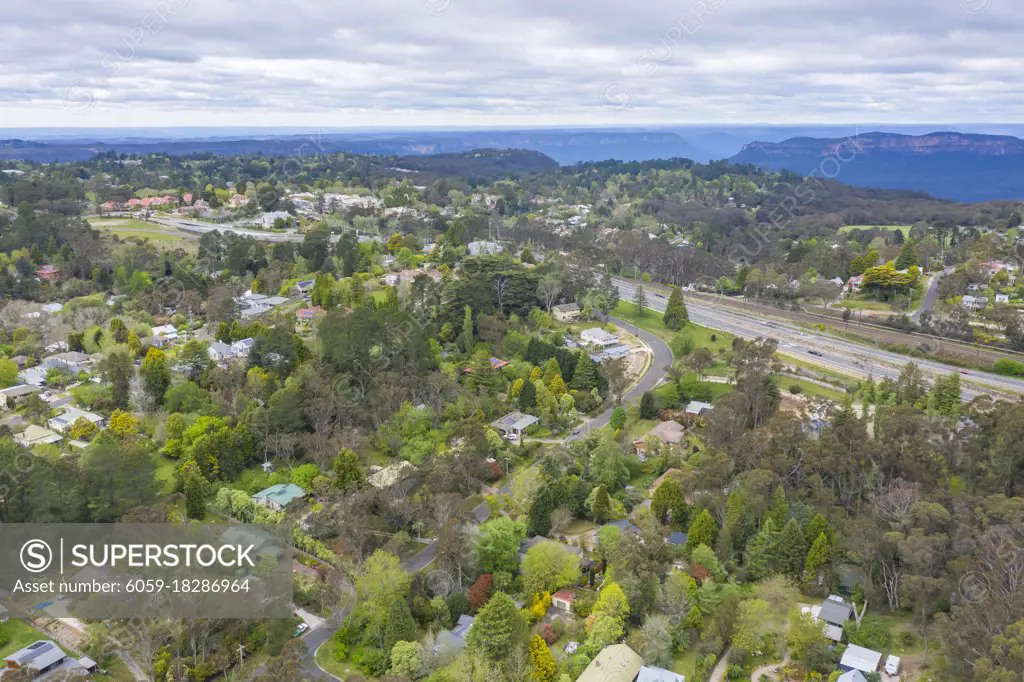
279	496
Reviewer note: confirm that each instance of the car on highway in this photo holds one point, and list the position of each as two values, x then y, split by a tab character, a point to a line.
818	353
964	371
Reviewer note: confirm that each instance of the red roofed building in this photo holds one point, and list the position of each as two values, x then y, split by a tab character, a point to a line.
187	197
110	205
308	313
563	599
48	273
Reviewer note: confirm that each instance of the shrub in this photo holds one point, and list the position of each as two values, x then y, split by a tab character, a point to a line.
795	389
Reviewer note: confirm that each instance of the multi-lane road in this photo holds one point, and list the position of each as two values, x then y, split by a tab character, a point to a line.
829	352
198	227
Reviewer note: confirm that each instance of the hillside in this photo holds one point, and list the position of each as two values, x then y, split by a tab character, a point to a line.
958	166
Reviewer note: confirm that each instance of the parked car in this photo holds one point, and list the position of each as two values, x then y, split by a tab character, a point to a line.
302	627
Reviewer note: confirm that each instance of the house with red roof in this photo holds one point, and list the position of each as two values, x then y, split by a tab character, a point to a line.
48	273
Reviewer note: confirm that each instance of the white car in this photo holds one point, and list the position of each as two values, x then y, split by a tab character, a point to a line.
512	436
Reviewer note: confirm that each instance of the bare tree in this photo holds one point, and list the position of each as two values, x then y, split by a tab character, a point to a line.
549	287
500	285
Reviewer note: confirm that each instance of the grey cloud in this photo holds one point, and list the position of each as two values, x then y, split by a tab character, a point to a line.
393	61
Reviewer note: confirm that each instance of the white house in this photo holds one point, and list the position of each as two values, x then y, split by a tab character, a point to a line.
63	422
566	312
598	337
481	248
974	302
1002	298
167	332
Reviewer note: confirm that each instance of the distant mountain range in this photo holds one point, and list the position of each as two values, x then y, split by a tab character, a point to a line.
948	165
564	146
963	166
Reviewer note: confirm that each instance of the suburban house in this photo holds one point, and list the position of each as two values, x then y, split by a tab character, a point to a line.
306	316
698	409
650	673
305	286
252	304
860	658
40	656
562	600
48	273
615	663
833	613
513	424
483	248
669	433
34	376
455	639
1002	298
63	422
599	338
401	475
852	676
165	332
855	283
613	353
279	496
223	353
974	303
677	538
37	435
498	363
72	362
566	312
9	397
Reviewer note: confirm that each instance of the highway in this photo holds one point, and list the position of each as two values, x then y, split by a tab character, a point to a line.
829	352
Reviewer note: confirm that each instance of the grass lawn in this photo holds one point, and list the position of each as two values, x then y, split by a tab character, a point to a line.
579	526
161	236
20	634
822	373
684	664
864	304
164	472
809	388
653	321
905	229
343	671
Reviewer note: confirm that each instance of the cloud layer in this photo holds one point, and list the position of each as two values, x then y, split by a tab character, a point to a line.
507	62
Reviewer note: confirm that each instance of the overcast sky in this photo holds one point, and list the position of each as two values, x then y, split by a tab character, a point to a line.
508	62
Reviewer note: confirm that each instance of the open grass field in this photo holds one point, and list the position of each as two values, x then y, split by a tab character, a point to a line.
653	322
905	229
161	236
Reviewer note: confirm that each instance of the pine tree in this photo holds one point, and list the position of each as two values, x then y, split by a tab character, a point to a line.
640	299
908	256
195	489
557	386
400	627
466	338
676	315
702	531
118	330
792	551
648	410
761	552
585	376
348	474
817	558
156	374
540	512
551	370
668	504
499	628
815	527
528	396
618	418
541	660
778	509
601	504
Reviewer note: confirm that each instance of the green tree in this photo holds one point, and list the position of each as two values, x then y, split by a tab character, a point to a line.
466	339
618	418
406	659
497	545
908	256
549	566
118	330
195	490
193	359
761	552
156	374
585	376
541	660
817	558
540	512
792	551
668	504
705	556
640	299
551	370
528	396
599	503
648	410
676	315
754	623
611	603
499	628
323	291
348	474
702	531
8	372
946	395
118	370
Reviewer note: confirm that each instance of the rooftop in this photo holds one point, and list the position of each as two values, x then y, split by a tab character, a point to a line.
615	663
282	493
516	421
860	658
